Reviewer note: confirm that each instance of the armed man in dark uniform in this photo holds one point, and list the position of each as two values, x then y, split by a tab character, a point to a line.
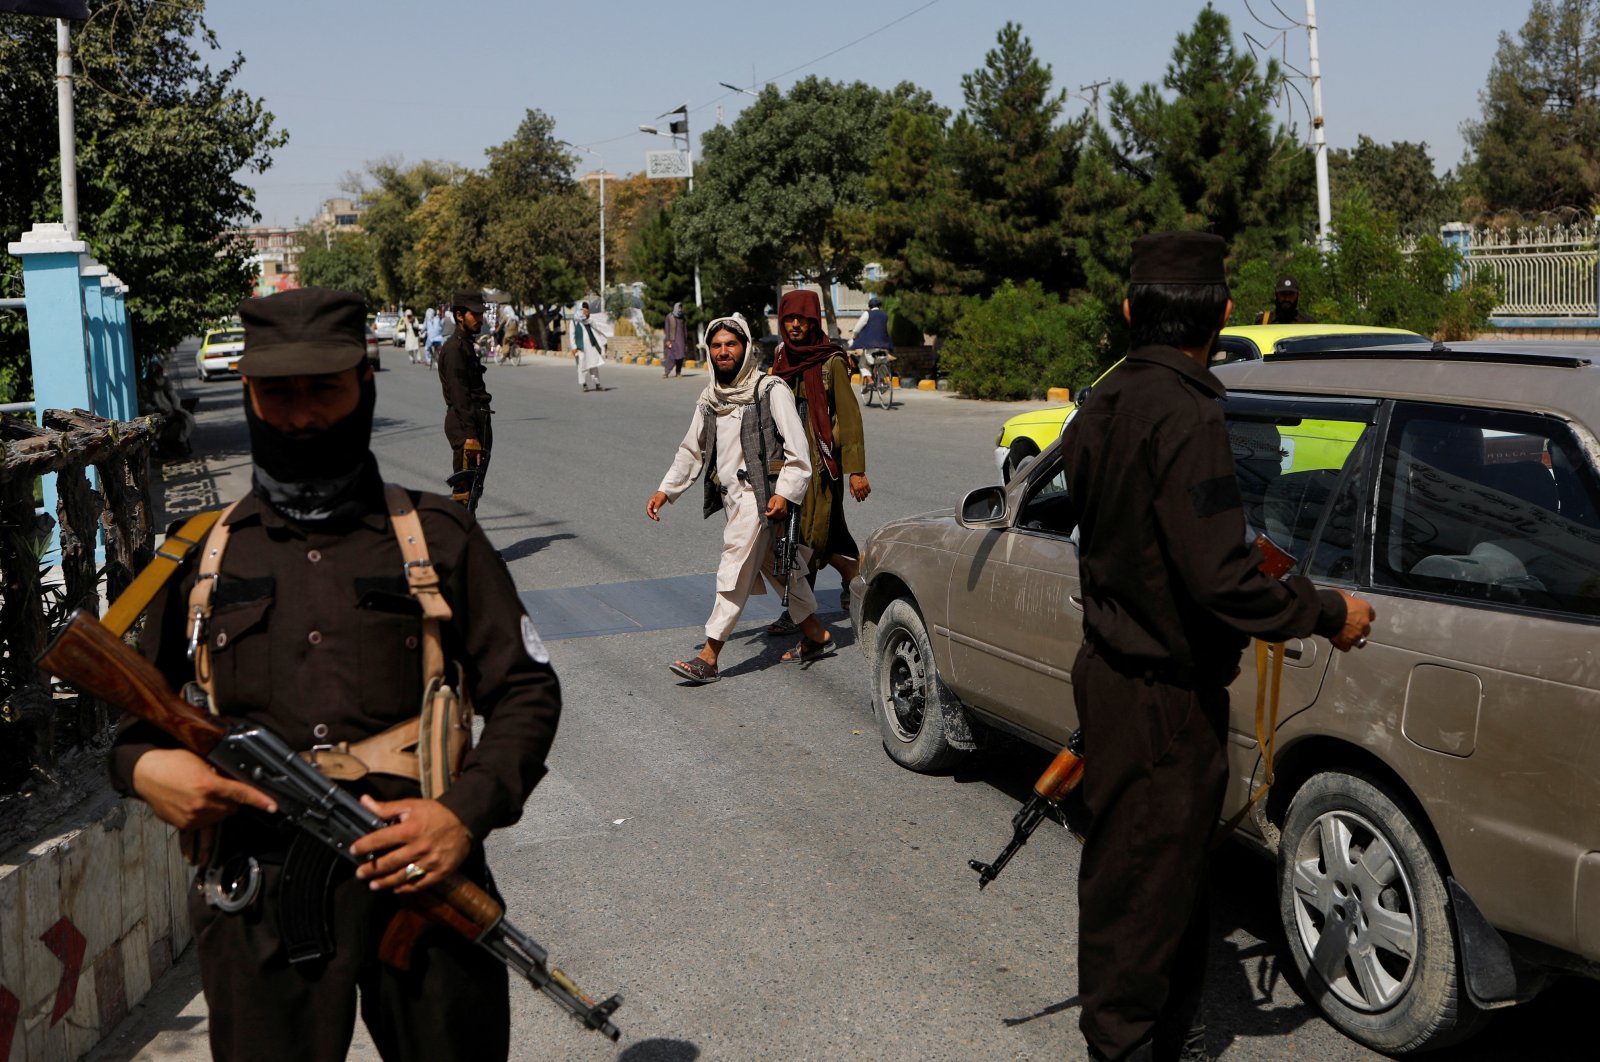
356	619
467	413
1172	594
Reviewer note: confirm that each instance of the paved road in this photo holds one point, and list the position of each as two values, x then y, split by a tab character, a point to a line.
742	861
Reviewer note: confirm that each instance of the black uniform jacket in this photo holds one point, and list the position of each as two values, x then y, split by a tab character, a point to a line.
1169	583
465	398
316	627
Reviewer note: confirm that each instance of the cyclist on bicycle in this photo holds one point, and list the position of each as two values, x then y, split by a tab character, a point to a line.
871	340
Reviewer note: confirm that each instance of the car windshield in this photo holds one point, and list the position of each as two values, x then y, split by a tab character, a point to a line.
226	337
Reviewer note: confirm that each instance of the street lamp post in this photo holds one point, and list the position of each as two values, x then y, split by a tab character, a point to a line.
596	154
680	127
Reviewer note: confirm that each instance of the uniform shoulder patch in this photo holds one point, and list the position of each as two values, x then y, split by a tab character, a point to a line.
1214	496
533	643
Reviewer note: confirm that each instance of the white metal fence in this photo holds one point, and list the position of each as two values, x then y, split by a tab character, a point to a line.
1543	271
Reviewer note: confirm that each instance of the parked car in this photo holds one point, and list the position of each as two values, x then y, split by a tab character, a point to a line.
1024	436
372	351
384	326
219	353
1435	816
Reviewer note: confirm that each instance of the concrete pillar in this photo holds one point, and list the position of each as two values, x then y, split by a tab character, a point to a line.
90	273
1457	236
58	344
124	375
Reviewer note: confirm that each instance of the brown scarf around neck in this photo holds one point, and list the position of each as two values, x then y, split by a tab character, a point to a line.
805	364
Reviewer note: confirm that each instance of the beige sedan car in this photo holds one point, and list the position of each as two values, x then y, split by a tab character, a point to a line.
1436	814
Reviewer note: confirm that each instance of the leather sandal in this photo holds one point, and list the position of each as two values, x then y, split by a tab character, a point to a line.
809	650
782	625
695	671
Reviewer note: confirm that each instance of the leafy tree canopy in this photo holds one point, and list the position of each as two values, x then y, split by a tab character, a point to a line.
957	210
1537	145
392	192
780	187
162	136
1399	179
343	261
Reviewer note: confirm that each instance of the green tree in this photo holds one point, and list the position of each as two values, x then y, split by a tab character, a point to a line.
393	192
1372	275
958	210
1400	180
1202	151
541	231
163	138
1537	145
1020	341
667	276
343	261
783	187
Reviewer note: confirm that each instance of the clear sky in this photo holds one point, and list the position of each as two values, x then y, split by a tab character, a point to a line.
356	80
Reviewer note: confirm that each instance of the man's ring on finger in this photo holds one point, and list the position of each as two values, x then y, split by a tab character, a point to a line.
414	872
1361	643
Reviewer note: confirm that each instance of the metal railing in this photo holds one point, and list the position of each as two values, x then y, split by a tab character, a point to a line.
1544	271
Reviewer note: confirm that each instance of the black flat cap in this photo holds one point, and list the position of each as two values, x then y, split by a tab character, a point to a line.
468	300
1179	258
304	332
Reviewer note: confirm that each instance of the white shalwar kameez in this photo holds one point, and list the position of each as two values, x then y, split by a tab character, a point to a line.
747	557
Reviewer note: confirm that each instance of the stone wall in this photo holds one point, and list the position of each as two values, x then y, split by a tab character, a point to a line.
89	919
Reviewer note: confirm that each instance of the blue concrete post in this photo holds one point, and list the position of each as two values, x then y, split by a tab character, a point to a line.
124	380
57	339
90	274
1457	236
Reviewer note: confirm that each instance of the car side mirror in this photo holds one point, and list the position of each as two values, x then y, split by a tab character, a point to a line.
984	507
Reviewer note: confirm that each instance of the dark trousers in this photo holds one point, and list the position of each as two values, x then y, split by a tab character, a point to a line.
1155	770
452	1004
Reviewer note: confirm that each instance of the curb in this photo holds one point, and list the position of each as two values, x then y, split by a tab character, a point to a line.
89	920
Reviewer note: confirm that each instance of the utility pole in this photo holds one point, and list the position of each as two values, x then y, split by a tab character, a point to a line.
602	233
1093	88
64	114
1319	138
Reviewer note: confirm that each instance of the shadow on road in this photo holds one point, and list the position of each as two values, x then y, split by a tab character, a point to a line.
529	546
659	1050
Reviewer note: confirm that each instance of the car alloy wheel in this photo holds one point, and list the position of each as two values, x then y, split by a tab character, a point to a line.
1365	909
1354	911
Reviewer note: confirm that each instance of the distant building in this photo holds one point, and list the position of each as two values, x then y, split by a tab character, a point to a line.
276	258
339	215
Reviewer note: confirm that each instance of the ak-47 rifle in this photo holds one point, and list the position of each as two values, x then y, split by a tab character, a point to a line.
466	486
1066	770
96	661
784	549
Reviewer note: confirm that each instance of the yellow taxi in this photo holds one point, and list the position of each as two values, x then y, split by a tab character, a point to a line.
219	353
1025	436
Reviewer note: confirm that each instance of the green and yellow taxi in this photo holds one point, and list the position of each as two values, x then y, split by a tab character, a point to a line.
1025	436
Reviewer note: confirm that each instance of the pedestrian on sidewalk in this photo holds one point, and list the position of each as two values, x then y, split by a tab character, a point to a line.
674	342
408	335
588	349
316	634
433	330
747	437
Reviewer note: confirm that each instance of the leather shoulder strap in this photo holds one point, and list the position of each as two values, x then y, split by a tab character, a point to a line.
421	578
131	603
200	596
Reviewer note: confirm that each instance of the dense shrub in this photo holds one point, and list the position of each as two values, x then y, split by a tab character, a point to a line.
1020	341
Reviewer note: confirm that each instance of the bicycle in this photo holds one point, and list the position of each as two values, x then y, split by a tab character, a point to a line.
881	383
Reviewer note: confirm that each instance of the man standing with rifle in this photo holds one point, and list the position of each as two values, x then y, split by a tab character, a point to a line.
362	623
747	436
467	413
1171	595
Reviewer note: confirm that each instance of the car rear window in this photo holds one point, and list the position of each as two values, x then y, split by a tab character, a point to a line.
226	337
1489	506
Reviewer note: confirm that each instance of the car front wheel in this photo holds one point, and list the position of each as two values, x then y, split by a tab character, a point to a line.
1022	454
1366	912
907	696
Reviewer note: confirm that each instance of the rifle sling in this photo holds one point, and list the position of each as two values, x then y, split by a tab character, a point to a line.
132	602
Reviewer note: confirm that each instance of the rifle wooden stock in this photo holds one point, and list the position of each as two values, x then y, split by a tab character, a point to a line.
1061	777
97	662
454	902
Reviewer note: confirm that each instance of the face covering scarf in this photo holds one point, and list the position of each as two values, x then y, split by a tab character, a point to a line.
311	476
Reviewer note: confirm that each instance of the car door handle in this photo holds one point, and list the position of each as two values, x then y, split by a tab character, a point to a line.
1291	651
